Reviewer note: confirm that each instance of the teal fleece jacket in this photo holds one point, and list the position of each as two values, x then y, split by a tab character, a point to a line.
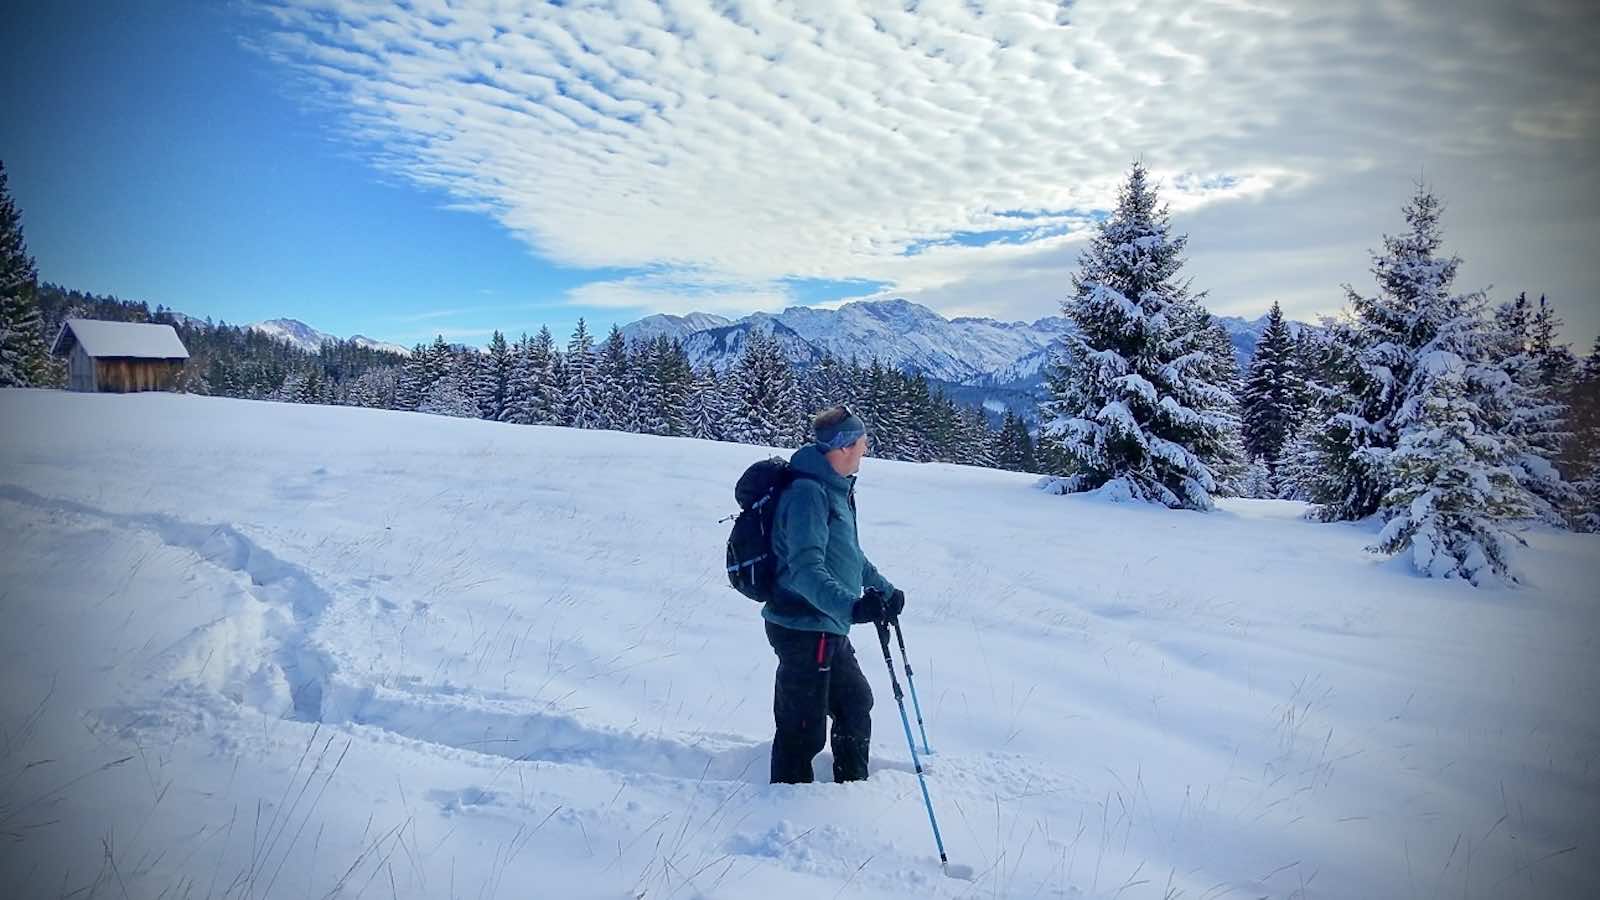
821	569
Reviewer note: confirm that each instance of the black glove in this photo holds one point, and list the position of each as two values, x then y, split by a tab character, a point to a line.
875	607
868	609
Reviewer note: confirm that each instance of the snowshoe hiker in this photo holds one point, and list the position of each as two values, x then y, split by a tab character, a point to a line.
820	579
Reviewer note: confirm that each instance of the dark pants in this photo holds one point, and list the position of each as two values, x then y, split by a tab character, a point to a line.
818	677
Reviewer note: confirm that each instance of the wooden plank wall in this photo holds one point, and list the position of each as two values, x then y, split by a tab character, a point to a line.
80	370
121	375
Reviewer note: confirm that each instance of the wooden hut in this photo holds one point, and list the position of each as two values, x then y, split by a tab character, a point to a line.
120	357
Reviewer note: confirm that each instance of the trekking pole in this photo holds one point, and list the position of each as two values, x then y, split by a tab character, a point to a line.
956	871
911	682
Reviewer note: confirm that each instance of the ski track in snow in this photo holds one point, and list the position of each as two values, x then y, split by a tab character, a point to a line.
504	726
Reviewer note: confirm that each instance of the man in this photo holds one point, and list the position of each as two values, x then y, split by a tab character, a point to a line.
821	573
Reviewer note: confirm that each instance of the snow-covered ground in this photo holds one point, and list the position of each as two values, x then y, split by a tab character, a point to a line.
261	650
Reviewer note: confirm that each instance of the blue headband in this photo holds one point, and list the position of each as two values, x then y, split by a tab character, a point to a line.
841	434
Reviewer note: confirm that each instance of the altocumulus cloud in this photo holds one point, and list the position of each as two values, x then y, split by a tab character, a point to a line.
952	152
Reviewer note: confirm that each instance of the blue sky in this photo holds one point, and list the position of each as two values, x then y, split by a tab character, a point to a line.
405	172
165	162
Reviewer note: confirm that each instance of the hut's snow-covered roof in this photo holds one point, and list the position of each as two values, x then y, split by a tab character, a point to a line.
139	340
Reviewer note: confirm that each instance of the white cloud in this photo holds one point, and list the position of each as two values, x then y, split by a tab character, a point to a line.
725	148
682	292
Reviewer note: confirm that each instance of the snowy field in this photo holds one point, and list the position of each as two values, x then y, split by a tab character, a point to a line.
260	650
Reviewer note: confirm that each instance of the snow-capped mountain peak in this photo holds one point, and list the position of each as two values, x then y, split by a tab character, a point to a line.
303	336
650	327
295	332
361	340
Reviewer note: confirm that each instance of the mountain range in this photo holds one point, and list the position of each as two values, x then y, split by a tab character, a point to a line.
976	352
978	361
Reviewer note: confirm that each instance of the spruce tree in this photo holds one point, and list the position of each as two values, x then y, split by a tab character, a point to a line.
976	445
548	380
1223	453
615	387
1354	442
448	397
1453	492
436	363
1258	482
647	404
1586	511
1272	393
1014	448
948	433
705	413
876	407
1527	414
1557	364
24	359
676	380
1313	466
914	405
766	402
1133	402
1581	454
494	378
520	384
582	382
408	383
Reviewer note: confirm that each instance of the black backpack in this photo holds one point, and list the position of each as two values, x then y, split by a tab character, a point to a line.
752	567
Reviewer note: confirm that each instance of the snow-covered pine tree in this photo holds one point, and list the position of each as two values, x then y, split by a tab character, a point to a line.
705	413
766	403
1355	441
974	444
24	359
1223	454
828	383
1272	393
549	379
374	388
1528	415
1131	402
876	407
1558	367
1257	482
1586	512
582	381
646	405
427	364
316	387
519	384
948	432
448	396
1014	446
1453	492
616	388
849	386
914	406
1581	455
814	383
222	379
676	379
438	362
1310	465
409	380
292	390
494	378
636	402
465	366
